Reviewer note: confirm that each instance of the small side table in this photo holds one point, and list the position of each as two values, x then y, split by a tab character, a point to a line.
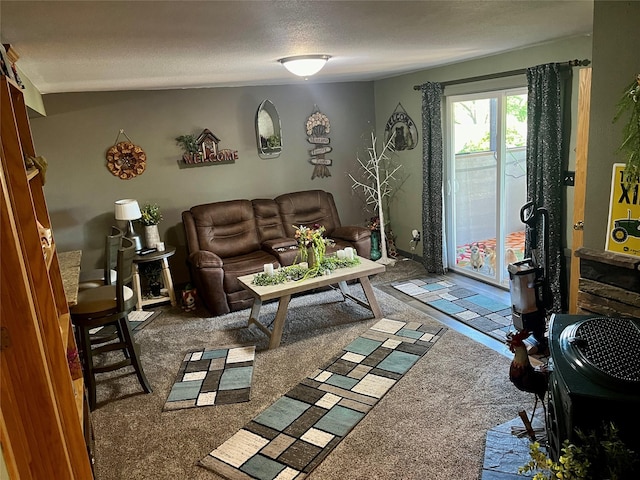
166	277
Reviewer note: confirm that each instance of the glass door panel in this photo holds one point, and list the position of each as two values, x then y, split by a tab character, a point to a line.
486	184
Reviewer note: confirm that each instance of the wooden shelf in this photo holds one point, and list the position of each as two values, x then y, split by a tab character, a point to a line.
32	173
78	391
42	425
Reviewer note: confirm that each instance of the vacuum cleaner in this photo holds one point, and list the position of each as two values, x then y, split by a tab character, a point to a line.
528	280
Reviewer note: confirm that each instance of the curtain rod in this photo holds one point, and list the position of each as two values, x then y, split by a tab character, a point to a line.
511	73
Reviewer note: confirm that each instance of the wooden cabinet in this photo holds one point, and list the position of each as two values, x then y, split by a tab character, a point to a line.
42	410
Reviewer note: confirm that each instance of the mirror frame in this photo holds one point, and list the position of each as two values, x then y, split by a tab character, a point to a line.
264	151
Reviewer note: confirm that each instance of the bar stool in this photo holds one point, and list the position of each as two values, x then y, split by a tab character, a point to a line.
104	306
106	275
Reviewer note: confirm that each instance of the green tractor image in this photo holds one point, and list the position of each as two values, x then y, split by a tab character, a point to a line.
624	227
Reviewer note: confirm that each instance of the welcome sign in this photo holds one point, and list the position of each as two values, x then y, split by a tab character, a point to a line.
623	233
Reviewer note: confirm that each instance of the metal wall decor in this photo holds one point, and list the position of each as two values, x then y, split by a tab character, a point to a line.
318	128
268	130
406	133
126	160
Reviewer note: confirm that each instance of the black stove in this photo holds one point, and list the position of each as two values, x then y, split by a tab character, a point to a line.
595	378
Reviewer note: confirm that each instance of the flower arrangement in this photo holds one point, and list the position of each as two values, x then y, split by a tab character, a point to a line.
151	214
311	237
374	224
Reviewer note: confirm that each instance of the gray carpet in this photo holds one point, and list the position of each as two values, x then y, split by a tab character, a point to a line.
432	424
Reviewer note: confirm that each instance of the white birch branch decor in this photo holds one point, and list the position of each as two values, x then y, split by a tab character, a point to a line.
377	184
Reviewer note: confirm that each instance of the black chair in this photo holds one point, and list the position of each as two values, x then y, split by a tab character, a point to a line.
108	306
107	275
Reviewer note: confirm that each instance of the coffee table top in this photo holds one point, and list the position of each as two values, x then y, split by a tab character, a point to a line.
268	292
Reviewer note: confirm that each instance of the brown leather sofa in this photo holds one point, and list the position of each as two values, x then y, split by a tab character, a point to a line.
226	240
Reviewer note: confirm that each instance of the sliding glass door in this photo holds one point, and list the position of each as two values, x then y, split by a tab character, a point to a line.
486	182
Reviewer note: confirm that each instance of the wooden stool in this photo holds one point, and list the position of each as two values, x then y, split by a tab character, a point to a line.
106	275
105	306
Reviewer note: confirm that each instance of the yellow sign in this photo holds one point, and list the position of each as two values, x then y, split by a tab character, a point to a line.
623	234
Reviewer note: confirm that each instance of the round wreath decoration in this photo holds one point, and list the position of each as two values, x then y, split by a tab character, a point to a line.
126	160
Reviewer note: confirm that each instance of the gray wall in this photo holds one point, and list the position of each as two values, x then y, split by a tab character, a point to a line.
616	61
406	207
80	128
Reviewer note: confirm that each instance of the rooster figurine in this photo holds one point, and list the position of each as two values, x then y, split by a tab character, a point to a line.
521	372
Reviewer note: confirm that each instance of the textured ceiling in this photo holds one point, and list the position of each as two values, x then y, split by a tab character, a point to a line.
69	46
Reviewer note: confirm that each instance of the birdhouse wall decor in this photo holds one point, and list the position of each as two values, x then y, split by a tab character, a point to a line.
204	150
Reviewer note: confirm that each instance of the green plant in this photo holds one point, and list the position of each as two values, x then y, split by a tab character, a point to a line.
273	141
188	143
151	271
151	214
630	146
599	455
296	272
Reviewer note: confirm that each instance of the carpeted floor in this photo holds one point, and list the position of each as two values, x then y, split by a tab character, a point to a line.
432	424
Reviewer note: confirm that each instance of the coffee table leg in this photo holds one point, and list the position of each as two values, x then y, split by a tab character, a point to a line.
255	311
371	298
278	323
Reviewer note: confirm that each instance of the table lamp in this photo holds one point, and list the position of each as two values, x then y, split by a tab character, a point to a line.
128	210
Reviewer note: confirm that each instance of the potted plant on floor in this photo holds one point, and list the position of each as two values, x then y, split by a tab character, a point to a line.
151	217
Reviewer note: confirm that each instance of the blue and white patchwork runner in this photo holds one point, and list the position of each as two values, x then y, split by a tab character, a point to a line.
292	436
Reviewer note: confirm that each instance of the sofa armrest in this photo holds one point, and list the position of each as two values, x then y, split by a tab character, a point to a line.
205	259
276	244
351	233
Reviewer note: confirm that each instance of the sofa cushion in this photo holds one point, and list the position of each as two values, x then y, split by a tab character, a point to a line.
308	208
268	219
226	228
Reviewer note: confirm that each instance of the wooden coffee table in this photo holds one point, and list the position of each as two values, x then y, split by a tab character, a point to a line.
283	293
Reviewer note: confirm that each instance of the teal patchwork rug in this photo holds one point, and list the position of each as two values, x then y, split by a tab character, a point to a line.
295	434
213	377
477	310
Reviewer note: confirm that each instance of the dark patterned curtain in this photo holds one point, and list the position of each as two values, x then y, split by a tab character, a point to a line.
545	164
432	166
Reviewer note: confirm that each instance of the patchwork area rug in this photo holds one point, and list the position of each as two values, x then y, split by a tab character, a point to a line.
472	308
295	434
213	377
139	319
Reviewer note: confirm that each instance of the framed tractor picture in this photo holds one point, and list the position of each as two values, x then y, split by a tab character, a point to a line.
623	231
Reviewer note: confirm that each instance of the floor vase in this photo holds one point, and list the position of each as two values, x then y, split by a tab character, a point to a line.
375	246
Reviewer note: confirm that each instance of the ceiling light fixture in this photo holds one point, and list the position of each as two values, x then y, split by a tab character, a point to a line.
305	65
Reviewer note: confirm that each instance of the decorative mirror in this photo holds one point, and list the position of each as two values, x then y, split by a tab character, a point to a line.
268	132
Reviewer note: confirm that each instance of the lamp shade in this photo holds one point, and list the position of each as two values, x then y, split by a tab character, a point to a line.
127	209
305	65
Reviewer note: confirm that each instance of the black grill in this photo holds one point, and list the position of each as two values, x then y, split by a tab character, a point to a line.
611	346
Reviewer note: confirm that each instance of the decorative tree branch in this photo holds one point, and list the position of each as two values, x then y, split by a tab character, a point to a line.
378	176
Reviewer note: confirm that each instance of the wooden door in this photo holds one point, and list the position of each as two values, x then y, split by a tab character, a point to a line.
582	150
